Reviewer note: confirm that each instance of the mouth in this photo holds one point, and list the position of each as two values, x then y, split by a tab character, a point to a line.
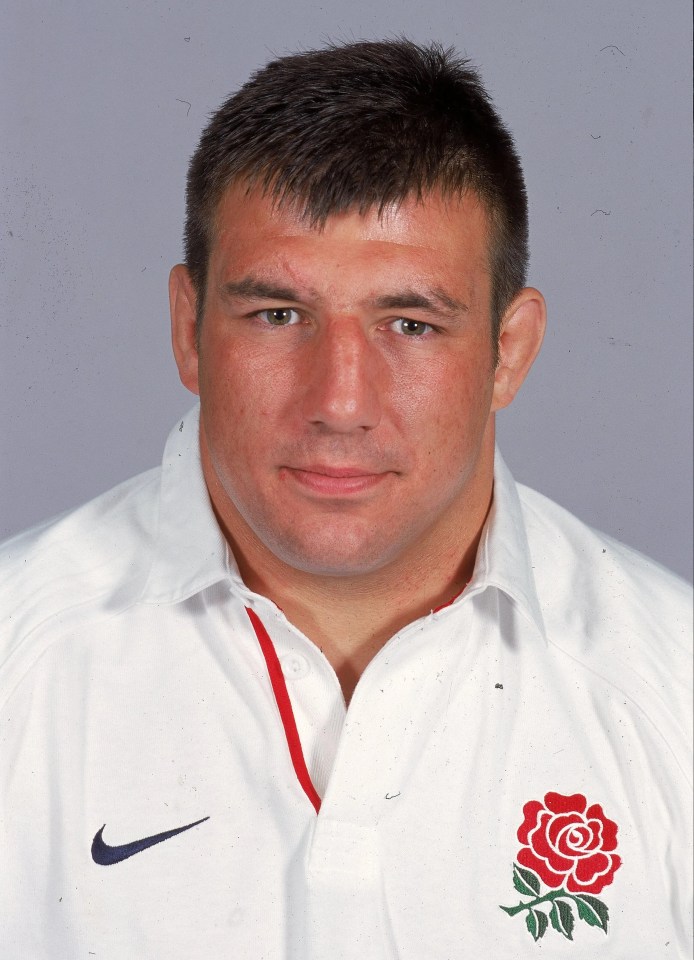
335	481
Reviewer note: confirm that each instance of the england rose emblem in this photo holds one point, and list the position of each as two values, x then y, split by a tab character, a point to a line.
570	847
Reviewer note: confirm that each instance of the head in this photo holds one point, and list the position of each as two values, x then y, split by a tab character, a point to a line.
362	127
356	231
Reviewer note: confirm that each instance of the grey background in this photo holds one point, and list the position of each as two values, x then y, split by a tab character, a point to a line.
101	106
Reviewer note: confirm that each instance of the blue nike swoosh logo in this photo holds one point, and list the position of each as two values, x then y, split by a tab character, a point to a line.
105	855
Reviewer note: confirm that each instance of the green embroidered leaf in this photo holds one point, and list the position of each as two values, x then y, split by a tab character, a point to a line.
537	924
592	910
562	919
525	881
531	923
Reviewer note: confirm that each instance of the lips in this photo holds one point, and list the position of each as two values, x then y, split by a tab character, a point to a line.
339	472
336	481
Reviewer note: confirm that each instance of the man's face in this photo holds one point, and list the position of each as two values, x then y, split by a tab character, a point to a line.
346	379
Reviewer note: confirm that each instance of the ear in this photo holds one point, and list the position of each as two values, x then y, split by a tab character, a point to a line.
182	304
520	339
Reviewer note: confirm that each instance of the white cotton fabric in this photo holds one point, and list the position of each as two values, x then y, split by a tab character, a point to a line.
133	694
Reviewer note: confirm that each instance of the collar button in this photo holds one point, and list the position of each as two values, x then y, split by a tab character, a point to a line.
294	666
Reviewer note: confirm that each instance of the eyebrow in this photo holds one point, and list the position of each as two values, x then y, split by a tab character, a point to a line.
434	300
251	288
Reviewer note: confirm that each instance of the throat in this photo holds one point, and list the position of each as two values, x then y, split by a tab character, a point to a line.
350	618
351	631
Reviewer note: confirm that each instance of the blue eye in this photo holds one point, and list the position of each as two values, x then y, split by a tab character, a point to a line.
412	328
279	316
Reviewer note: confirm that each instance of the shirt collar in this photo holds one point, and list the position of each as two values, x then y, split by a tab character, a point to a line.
191	553
503	556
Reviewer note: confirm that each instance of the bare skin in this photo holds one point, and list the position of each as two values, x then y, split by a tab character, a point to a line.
348	391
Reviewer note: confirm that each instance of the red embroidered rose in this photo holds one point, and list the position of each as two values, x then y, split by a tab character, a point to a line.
569	844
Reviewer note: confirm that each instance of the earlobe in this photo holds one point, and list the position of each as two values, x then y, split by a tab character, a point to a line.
522	331
182	304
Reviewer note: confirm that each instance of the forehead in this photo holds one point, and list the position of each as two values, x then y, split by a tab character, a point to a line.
433	236
243	202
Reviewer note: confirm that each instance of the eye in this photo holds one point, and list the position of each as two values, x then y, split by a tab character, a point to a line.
411	328
279	316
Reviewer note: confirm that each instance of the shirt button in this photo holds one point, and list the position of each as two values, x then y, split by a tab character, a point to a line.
294	666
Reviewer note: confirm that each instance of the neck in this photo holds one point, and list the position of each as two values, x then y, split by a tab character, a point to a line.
351	618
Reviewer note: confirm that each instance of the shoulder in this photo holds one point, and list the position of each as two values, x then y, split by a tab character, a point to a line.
577	565
62	570
618	617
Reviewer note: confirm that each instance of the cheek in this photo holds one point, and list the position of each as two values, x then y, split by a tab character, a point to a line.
444	405
239	388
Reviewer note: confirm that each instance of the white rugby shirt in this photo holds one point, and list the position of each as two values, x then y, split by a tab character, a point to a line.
525	747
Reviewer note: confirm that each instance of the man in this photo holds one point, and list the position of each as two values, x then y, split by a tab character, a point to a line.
329	684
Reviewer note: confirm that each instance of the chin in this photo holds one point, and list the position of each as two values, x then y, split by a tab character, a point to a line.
336	559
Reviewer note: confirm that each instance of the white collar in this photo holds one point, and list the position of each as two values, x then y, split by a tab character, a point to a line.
189	551
503	556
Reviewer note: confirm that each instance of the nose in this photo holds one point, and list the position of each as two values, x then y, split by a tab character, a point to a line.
342	378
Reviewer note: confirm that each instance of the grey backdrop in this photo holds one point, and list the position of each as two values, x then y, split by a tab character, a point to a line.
102	104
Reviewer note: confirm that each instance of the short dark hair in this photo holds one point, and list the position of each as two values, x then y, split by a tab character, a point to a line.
359	126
